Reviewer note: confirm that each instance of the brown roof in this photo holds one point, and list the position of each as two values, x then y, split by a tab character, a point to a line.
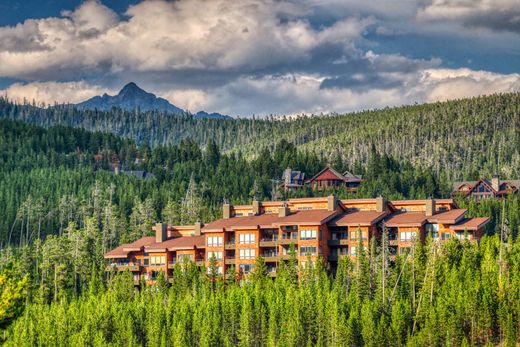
117	252
327	173
307	217
406	219
470	224
269	220
448	217
178	243
139	244
361	218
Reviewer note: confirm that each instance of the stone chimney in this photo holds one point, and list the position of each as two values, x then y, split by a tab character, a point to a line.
256	207
380	204
430	207
332	203
284	210
226	211
287	176
161	232
495	183
198	227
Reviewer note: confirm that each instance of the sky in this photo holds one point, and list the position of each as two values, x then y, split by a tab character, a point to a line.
261	57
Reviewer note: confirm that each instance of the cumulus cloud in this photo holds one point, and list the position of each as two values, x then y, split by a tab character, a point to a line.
496	15
246	57
52	92
167	36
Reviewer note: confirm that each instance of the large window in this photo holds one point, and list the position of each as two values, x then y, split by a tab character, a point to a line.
246	268
404	250
461	235
247	254
307	250
217	255
407	236
220	270
446	236
308	234
355	234
245	239
184	258
157	260
353	250
215	241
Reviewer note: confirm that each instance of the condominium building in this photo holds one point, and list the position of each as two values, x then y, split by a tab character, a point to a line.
314	227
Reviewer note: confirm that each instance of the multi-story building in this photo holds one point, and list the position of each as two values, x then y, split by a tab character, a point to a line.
327	178
315	227
485	188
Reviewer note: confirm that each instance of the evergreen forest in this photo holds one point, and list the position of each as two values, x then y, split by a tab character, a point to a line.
64	205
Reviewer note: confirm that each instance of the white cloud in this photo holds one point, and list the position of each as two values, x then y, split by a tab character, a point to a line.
167	36
51	92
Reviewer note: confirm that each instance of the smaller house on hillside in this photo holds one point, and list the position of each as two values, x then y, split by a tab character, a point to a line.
330	178
485	188
293	179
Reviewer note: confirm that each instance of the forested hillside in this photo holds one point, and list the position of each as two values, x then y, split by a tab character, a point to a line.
462	138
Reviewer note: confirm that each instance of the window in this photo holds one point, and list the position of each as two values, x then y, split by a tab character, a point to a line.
353	250
354	234
247	254
246	268
217	255
462	235
157	260
446	236
407	236
430	228
245	239
404	250
184	258
145	262
215	241
307	250
287	251
308	234
220	270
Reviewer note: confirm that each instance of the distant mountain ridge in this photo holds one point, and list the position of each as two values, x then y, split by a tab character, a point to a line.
132	98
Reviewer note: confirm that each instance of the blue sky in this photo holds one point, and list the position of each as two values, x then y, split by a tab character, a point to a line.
261	56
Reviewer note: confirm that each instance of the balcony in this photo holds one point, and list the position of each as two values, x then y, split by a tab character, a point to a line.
270	257
268	242
341	242
199	262
271	272
230	261
392	242
171	264
132	267
230	245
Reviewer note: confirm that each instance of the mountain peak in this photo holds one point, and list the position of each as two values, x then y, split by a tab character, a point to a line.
131	88
131	97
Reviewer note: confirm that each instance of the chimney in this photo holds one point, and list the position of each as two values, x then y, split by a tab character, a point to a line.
226	211
161	231
287	176
380	204
284	210
332	203
495	183
256	207
198	227
430	207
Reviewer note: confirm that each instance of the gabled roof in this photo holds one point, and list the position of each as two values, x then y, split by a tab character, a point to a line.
178	243
271	220
406	219
328	173
139	244
358	218
351	177
448	217
470	224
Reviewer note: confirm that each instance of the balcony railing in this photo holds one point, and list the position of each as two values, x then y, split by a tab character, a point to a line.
272	256
230	260
133	266
338	242
229	245
268	242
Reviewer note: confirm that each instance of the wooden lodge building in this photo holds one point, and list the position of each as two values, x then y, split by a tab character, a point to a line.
485	189
328	178
316	227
